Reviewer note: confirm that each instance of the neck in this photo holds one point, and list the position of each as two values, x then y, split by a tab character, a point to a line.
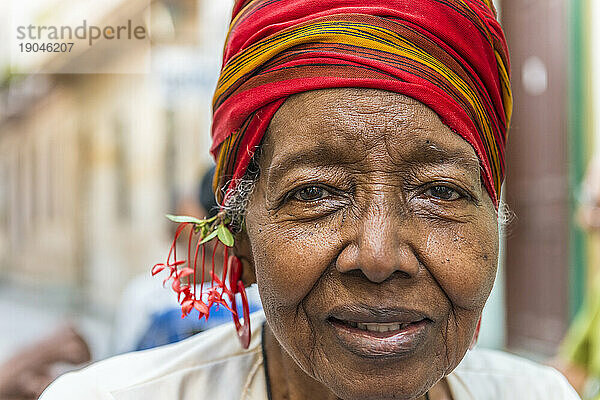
289	382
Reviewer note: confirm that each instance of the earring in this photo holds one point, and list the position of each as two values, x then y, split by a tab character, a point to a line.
475	335
237	286
214	228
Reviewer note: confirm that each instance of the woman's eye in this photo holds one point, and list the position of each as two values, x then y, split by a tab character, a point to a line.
443	193
311	193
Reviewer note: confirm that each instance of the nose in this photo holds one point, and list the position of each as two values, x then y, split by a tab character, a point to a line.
380	248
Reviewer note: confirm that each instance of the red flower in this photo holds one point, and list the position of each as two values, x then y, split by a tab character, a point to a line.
186	292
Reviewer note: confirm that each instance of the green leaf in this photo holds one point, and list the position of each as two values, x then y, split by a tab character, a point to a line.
225	236
184	218
209	237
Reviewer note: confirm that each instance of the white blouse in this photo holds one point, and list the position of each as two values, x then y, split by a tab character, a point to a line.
212	365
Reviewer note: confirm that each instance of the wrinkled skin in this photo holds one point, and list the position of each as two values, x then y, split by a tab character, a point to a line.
366	201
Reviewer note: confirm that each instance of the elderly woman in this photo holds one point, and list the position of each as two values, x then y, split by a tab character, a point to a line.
360	150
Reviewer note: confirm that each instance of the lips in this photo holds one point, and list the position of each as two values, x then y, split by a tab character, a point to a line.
378	332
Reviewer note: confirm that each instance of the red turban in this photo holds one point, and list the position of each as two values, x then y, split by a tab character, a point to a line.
450	55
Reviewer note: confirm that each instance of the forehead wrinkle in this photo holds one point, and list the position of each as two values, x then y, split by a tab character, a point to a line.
368	118
357	114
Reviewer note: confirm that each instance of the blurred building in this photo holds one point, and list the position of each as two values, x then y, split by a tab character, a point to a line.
90	163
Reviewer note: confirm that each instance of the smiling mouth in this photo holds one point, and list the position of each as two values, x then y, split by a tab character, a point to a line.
388	336
377	329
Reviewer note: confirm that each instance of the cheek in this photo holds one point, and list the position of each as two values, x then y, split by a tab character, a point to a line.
288	261
463	261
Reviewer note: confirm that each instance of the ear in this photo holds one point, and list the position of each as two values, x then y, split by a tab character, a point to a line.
243	250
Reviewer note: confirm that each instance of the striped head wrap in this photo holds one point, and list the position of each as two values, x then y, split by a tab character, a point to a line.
450	55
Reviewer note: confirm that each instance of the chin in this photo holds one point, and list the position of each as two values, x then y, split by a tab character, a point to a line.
383	390
392	381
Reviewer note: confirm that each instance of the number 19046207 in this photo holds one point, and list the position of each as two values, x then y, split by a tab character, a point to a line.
46	47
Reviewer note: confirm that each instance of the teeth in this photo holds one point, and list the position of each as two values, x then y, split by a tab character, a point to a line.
374	327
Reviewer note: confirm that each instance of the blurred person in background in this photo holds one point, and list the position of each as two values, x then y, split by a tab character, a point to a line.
28	372
161	321
579	358
360	157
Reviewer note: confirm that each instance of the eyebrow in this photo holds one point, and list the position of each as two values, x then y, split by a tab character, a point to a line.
318	155
325	155
432	154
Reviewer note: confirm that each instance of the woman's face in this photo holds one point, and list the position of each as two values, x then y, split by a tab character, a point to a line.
373	240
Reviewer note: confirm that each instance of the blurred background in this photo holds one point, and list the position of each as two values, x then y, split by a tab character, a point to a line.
90	163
